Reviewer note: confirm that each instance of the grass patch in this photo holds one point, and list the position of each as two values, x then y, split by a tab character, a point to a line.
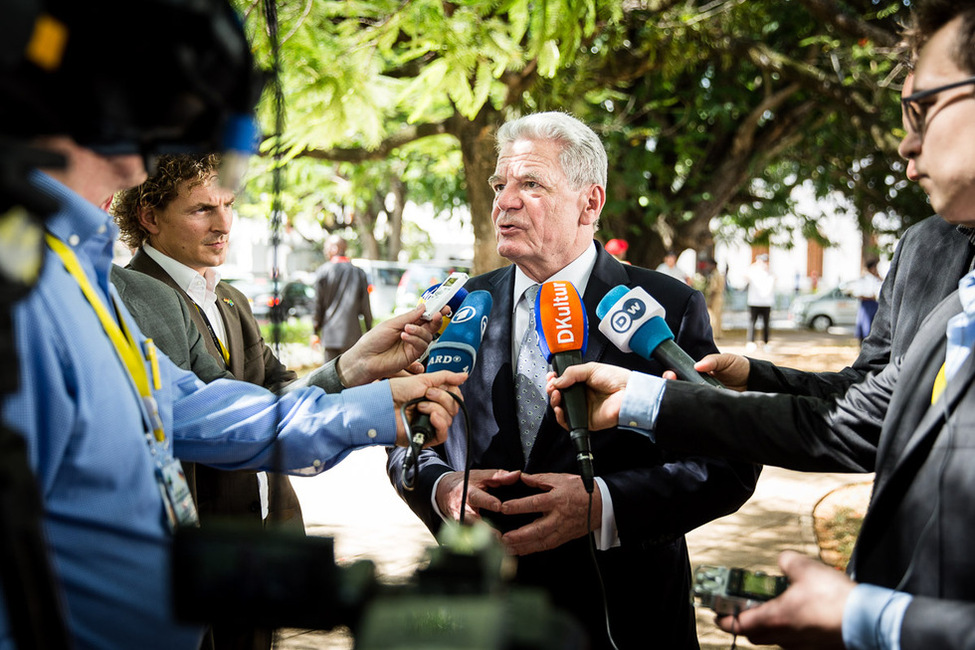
837	519
292	331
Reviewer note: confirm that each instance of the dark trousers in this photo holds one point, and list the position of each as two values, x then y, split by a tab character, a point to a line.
754	313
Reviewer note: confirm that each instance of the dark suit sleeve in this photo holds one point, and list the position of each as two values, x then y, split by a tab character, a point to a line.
318	316
681	492
934	623
365	307
795	432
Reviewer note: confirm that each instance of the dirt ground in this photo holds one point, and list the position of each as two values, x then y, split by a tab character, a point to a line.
354	504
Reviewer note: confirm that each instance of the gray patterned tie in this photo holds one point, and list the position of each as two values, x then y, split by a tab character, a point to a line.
530	398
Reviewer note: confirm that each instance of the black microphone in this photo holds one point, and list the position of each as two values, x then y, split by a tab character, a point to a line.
563	332
455	350
634	322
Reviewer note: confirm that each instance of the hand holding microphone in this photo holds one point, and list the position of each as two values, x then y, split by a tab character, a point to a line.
563	332
455	350
634	322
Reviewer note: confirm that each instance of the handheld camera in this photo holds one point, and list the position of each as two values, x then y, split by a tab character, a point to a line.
730	591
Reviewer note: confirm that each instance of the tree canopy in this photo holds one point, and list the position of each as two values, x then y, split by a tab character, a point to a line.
711	112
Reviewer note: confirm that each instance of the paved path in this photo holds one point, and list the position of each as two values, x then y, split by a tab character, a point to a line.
354	504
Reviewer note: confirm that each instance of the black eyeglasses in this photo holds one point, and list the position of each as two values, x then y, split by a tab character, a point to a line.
917	113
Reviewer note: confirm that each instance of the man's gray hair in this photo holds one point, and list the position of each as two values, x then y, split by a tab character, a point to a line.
583	156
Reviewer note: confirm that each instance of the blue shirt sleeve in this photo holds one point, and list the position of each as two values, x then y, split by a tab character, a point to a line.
641	403
872	618
232	424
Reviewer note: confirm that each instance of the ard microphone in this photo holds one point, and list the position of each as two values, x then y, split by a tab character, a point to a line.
634	322
455	350
563	332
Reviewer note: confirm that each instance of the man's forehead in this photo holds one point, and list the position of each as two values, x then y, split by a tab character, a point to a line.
935	61
527	156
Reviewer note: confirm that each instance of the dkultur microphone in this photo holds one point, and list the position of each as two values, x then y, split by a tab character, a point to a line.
563	332
455	350
634	322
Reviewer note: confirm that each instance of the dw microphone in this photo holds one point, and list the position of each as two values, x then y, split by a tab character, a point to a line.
563	332
634	322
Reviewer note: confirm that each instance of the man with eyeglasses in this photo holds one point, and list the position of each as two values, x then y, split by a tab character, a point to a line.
912	576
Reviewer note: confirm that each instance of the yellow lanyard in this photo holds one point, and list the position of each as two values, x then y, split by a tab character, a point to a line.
940	382
125	344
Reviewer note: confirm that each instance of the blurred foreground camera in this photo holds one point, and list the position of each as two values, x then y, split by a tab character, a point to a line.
461	598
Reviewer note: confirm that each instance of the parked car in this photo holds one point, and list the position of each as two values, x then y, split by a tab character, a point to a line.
820	311
384	277
296	298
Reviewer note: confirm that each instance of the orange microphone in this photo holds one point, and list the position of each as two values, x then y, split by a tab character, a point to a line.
563	332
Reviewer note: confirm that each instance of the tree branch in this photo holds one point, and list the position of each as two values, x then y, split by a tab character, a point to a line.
360	154
831	12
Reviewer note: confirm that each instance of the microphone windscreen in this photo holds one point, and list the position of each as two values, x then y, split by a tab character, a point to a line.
560	319
469	321
610	299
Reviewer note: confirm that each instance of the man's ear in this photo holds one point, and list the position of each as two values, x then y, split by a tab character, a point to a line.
594	201
147	219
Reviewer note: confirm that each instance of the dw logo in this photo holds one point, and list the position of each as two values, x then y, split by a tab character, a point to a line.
633	309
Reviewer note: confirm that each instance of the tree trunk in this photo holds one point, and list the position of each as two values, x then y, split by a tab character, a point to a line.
477	147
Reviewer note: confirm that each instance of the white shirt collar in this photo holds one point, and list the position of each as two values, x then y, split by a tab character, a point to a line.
201	288
577	272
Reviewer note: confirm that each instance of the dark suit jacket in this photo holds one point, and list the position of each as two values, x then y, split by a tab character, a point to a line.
235	493
341	296
912	288
657	496
916	535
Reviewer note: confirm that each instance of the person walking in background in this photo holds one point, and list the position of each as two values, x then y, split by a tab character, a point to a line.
342	296
867	291
761	295
669	267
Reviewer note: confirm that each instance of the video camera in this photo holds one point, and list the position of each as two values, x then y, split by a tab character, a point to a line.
460	598
730	591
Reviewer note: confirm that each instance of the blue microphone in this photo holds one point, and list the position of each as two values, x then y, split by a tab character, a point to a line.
455	350
634	322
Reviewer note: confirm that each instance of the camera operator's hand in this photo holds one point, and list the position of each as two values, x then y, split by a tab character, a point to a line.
438	404
730	369
451	487
605	388
388	348
564	506
809	614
